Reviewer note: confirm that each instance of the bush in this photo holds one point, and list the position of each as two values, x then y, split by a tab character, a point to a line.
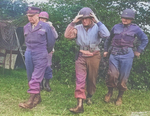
64	60
140	72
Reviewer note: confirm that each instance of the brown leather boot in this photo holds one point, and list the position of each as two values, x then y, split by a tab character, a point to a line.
109	94
37	99
89	99
29	103
41	85
79	107
119	98
47	86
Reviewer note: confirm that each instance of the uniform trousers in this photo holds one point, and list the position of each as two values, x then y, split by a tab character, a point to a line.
86	73
119	70
36	64
48	72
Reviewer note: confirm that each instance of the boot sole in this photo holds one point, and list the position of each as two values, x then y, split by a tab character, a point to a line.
107	98
25	107
76	112
107	101
118	104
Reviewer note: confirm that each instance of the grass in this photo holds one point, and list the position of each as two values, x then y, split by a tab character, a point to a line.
13	90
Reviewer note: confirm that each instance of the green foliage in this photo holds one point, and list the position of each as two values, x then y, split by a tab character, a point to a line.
61	13
11	10
140	73
21	21
64	60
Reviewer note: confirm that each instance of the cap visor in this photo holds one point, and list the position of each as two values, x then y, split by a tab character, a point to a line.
30	14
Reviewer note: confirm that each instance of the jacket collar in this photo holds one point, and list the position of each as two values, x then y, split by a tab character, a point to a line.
37	27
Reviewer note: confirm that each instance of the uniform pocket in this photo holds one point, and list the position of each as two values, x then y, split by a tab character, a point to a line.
129	37
117	38
41	33
117	31
26	33
130	34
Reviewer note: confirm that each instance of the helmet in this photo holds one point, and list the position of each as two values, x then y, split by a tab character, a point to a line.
86	12
128	13
44	15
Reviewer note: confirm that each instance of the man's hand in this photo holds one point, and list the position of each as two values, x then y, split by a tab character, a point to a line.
50	23
77	18
87	53
137	54
105	54
95	19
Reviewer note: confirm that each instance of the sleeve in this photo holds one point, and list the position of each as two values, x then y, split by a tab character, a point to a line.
108	41
144	40
71	31
50	39
53	30
103	31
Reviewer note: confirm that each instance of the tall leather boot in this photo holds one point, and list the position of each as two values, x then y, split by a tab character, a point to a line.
79	107
89	99
119	98
109	94
29	103
37	99
47	86
41	85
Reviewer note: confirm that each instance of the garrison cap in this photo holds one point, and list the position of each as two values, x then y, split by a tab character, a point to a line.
33	10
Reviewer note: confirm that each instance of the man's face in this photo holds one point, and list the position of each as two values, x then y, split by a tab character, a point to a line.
33	18
126	21
43	19
86	21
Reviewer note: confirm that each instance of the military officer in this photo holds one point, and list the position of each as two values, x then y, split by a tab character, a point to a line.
121	39
40	41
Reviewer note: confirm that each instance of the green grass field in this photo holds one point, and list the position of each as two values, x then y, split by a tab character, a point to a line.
14	86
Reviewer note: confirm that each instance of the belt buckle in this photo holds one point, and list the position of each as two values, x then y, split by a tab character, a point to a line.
92	47
85	48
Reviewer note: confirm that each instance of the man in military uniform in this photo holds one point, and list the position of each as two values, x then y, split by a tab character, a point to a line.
121	39
44	16
40	41
88	34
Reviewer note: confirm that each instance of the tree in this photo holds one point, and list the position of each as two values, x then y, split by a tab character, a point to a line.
11	10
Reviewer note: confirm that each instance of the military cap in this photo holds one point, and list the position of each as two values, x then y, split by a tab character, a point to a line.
33	10
86	12
128	13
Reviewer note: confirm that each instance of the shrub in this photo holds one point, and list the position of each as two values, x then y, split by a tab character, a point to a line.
140	72
64	60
